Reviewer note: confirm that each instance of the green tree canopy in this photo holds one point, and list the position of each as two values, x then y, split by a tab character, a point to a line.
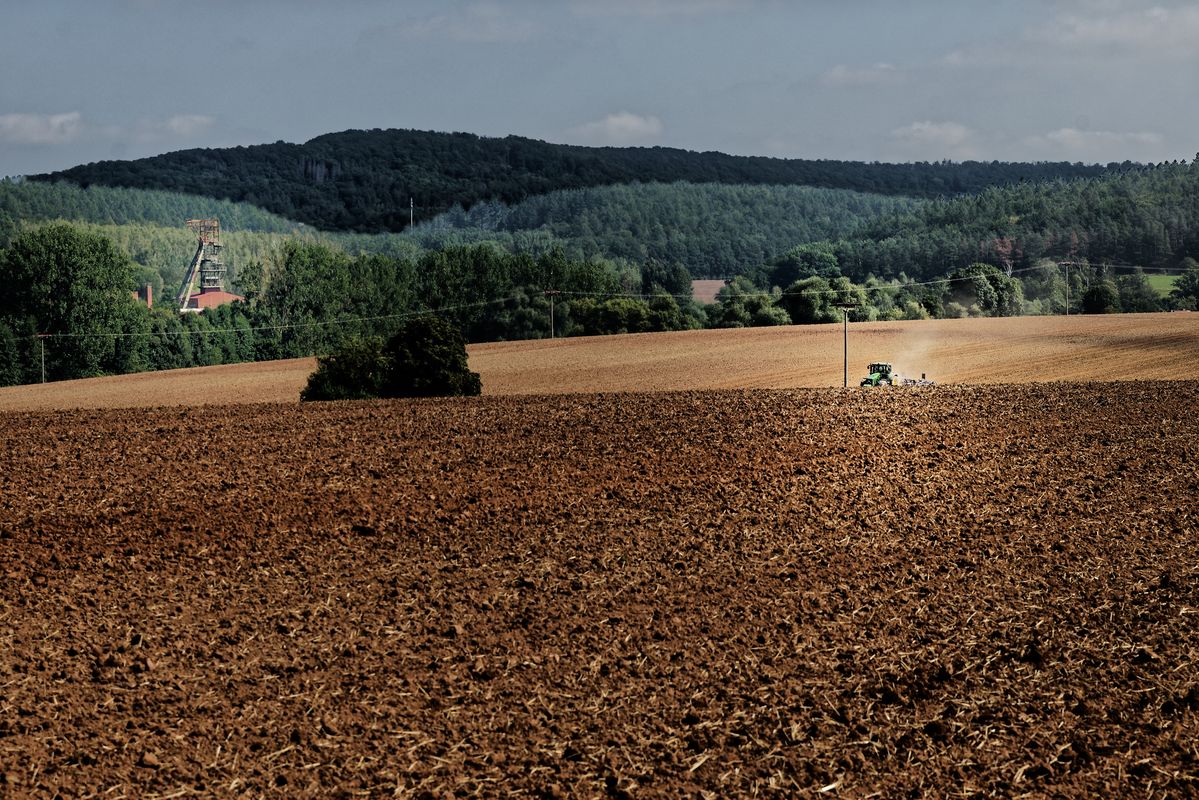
988	288
72	285
803	261
1102	298
815	300
11	372
1136	294
1186	289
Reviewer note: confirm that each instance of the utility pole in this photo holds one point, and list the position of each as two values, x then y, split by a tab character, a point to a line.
1066	266
551	294
845	337
41	337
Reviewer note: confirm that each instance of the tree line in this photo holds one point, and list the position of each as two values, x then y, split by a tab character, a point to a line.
68	300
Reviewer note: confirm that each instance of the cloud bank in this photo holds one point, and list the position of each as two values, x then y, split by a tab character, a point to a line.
877	75
40	129
1154	31
937	140
658	8
481	23
621	128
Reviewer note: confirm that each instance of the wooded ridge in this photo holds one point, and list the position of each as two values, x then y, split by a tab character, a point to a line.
364	180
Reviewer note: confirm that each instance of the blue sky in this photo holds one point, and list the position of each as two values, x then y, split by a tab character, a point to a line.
1076	80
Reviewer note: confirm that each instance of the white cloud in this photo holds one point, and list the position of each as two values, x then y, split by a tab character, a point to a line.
68	128
1072	137
1094	29
876	75
168	131
482	23
1155	30
1074	144
937	140
40	128
657	8
621	128
188	124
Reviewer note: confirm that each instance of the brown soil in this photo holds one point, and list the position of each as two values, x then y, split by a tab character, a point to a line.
976	591
977	351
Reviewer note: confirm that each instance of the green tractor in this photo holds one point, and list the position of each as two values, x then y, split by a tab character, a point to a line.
880	375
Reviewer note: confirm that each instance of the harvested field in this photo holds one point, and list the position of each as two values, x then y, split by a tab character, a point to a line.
705	291
969	591
977	351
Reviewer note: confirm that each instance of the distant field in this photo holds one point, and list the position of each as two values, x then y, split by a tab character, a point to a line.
1162	284
705	291
976	351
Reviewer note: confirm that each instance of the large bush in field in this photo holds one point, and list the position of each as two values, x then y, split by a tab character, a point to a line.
426	357
355	371
1102	298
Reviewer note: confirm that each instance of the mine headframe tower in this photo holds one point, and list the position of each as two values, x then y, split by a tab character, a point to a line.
207	264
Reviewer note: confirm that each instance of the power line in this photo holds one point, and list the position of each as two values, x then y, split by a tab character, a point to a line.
283	326
482	303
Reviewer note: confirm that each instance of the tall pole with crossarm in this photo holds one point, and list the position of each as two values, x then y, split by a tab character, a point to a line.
551	294
845	307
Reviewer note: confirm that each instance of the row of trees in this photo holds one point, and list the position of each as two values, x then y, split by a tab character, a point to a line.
67	293
808	285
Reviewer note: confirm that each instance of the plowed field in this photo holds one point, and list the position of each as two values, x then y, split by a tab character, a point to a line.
954	591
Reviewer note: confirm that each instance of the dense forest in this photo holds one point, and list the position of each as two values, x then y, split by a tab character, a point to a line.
716	230
1148	217
1143	216
363	180
149	226
30	200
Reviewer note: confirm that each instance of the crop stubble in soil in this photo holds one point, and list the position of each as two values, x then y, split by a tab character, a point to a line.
976	591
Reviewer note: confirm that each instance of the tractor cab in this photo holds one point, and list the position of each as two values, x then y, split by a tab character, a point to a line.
879	374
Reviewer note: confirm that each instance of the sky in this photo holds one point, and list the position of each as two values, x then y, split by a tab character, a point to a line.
921	80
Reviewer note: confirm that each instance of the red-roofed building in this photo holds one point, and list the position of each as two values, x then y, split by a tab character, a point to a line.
210	298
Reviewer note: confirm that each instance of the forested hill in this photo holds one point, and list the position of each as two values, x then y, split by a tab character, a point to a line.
1147	218
362	180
